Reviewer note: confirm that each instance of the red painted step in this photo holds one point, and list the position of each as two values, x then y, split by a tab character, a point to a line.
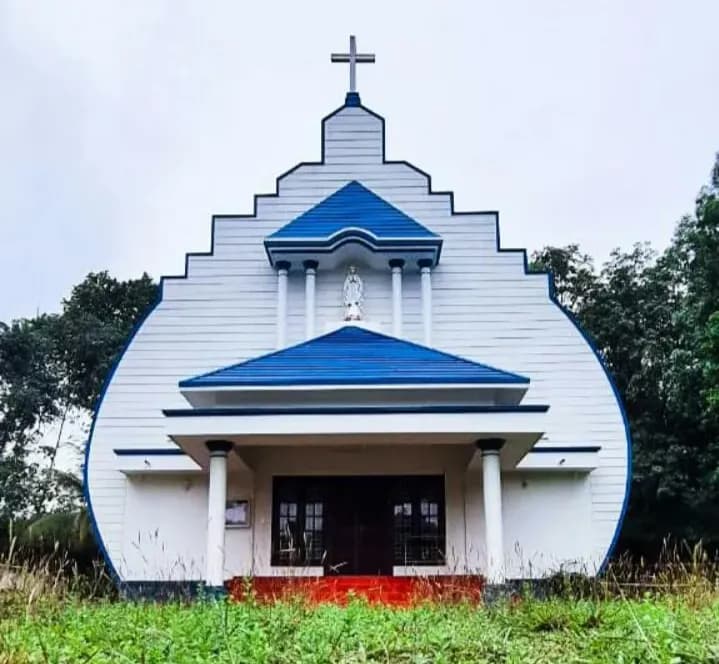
389	590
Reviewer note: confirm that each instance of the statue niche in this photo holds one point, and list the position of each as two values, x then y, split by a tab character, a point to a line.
352	292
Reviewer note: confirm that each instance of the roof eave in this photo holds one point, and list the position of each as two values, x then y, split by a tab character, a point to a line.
193	384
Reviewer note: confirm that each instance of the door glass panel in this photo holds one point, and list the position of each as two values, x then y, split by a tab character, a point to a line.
297	523
313	540
418	521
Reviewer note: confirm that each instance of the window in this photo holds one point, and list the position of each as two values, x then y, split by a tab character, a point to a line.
288	532
297	523
418	521
402	528
312	539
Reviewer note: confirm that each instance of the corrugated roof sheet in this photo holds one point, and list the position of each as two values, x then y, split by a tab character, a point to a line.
355	356
353	206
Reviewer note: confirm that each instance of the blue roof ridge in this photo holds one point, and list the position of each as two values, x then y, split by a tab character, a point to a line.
184	383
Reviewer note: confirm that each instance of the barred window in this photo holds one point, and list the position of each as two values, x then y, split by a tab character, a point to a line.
402	528
313	544
419	522
297	524
287	531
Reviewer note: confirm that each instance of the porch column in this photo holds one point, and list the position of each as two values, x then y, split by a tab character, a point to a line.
492	492
216	500
310	274
396	264
283	268
425	270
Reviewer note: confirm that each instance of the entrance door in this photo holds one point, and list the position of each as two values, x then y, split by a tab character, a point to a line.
359	537
358	525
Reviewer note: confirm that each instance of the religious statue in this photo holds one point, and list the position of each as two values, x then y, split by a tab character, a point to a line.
352	293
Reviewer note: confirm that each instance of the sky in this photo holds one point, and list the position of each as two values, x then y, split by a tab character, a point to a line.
125	126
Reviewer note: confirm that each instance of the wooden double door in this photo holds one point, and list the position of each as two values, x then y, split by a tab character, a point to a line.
359	528
357	525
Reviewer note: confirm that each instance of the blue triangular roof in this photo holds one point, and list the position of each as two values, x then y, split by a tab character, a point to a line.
355	356
353	206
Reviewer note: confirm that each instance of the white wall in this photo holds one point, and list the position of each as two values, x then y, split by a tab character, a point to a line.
547	523
166	516
165	527
485	308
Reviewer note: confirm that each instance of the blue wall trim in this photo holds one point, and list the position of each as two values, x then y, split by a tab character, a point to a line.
430	192
576	449
85	480
148	451
349	410
276	250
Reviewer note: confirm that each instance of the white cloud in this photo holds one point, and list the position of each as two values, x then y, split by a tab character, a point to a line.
125	126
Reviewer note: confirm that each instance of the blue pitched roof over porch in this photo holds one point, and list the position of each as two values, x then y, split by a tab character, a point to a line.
353	206
355	356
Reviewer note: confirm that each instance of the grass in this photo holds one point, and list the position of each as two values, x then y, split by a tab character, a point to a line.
665	613
649	630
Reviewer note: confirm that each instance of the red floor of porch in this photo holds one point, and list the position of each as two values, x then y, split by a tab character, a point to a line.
388	590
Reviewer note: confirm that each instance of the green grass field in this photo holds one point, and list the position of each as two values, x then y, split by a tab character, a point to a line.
663	612
666	629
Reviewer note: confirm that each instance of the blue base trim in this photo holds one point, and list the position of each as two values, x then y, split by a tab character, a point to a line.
163	591
214	592
349	410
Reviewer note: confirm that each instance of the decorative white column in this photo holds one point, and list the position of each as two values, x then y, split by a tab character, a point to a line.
425	270
396	264
283	268
310	275
492	491
216	500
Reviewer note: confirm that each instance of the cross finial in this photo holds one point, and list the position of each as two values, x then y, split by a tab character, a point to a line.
353	58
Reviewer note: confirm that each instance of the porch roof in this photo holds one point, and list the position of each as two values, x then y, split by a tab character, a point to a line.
355	356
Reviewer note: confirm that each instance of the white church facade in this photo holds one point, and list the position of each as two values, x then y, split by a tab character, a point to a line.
356	380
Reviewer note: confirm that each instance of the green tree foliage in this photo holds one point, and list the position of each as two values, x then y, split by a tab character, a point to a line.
51	366
95	323
655	320
29	395
710	368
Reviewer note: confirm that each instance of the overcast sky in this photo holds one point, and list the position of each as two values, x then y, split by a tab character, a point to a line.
125	125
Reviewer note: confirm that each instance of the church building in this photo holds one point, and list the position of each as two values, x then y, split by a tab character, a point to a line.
357	380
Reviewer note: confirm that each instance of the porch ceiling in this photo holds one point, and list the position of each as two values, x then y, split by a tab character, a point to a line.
521	430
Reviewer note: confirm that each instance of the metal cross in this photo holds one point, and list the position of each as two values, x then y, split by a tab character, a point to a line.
353	58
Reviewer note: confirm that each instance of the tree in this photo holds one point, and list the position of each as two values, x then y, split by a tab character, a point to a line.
654	320
50	368
96	321
572	271
29	393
